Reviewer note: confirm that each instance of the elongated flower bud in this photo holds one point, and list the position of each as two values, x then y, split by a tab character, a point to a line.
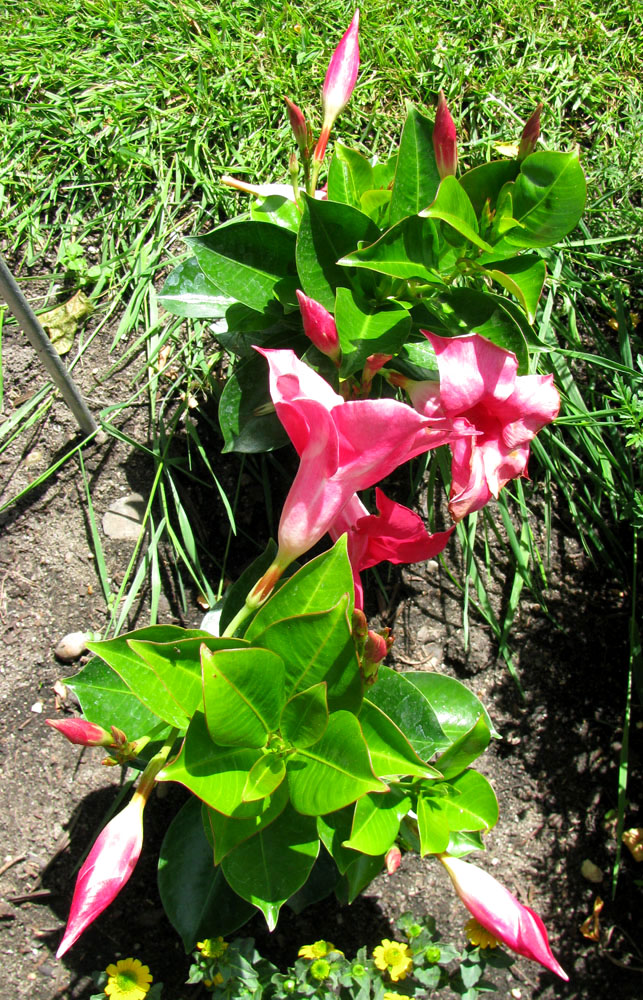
444	139
339	82
319	326
82	733
530	134
299	126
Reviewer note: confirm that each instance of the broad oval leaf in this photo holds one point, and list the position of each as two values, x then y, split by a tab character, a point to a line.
228	831
187	292
365	329
349	176
410	249
465	750
106	700
264	777
357	876
277	210
416	176
456	707
376	821
433	825
476	805
334	830
401	700
548	198
453	206
391	753
304	718
486	181
523	276
243	693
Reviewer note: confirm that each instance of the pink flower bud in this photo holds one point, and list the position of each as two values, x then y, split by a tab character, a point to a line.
373	364
82	733
319	326
339	82
377	646
530	134
444	139
298	125
501	914
393	859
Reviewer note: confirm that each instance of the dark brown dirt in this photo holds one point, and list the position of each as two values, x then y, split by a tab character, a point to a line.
555	769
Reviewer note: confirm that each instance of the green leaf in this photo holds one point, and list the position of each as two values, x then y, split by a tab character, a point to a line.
548	198
304	718
349	176
475	807
416	177
328	231
376	821
264	777
138	676
246	260
317	586
106	700
334	771
364	329
274	863
409	710
376	204
357	876
187	292
452	205
465	750
334	830
320	884
391	753
318	647
216	774
523	276
243	692
433	824
410	249
276	209
195	896
227	831
486	181
456	707
244	426
462	842
178	665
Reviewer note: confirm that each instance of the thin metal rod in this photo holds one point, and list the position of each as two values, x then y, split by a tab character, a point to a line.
42	345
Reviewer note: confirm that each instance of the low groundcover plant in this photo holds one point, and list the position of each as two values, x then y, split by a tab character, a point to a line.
370	321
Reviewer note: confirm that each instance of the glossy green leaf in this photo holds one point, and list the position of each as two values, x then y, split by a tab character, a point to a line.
456	707
216	774
523	276
195	896
349	176
304	718
245	426
317	586
410	249
357	876
462	842
365	329
187	292
416	177
276	209
328	231
317	647
410	711
334	830
140	677
376	204
274	863
465	310
486	181
376	821
334	771
548	198
264	777
106	700
246	260
243	692
391	753
320	883
433	824
452	205
465	750
476	805
228	831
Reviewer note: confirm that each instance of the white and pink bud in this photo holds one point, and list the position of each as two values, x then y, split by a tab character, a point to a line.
444	140
339	83
319	326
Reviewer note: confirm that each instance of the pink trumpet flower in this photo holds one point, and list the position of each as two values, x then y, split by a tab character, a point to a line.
343	447
530	134
82	733
396	534
480	389
339	82
500	913
319	326
444	139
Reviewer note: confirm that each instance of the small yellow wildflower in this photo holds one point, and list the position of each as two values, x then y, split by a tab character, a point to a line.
394	996
318	950
213	982
212	947
393	957
479	935
128	979
320	969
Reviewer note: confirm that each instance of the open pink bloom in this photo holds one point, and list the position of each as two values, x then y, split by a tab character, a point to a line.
319	326
395	534
479	386
339	82
501	914
107	868
445	144
81	732
343	446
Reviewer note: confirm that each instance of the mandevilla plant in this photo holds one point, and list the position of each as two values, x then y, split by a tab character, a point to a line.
306	758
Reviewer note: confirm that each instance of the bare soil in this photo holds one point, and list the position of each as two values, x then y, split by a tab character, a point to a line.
555	769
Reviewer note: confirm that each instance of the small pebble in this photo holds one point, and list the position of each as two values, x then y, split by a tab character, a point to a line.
590	871
72	645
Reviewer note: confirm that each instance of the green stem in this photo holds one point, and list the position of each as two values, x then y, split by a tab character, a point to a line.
157	762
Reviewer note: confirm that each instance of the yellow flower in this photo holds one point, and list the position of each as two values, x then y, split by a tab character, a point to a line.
212	947
317	950
129	979
218	978
392	957
320	969
479	935
394	996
